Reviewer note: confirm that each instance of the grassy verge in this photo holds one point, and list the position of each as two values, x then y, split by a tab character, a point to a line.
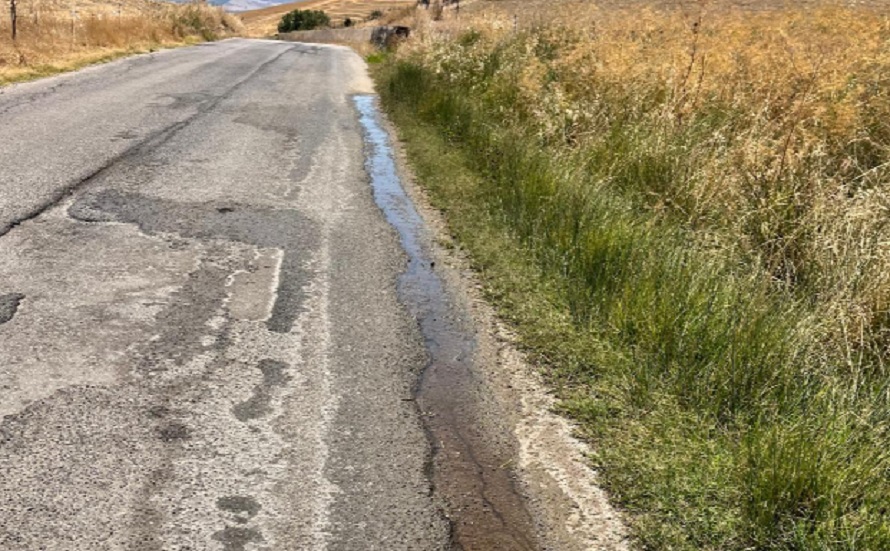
724	412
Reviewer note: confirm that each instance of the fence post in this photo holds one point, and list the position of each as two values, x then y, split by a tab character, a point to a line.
13	16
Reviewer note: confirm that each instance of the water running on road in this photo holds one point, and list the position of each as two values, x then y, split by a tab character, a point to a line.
469	466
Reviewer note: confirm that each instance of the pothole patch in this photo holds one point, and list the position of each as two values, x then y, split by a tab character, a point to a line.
9	305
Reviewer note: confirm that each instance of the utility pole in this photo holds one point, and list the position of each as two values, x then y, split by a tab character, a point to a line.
13	18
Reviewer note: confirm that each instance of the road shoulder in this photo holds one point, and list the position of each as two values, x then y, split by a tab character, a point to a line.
570	509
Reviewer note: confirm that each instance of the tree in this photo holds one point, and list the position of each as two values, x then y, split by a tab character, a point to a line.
303	20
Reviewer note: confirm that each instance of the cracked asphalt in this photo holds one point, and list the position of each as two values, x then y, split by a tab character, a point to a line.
201	340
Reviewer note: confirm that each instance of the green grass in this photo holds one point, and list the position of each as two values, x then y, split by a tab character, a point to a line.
718	418
376	57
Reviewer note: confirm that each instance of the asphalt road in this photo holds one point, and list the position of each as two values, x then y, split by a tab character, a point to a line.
201	342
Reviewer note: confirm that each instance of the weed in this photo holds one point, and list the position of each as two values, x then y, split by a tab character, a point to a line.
681	217
376	57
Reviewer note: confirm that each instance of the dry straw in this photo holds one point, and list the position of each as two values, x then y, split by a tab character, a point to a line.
54	35
704	191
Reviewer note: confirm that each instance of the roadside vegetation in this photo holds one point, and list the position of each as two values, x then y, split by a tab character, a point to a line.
686	215
54	36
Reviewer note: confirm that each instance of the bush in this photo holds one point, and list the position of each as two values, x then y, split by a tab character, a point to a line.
347	22
303	20
376	14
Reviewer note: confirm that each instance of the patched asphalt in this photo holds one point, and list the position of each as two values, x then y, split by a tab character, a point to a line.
201	339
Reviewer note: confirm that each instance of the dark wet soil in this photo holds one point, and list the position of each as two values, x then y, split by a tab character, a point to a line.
470	467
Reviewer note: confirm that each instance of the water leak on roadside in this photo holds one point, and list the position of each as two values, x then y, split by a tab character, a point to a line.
470	467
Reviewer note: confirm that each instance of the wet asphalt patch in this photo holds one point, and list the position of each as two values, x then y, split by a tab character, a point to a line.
469	469
283	229
260	404
189	311
236	538
9	305
243	507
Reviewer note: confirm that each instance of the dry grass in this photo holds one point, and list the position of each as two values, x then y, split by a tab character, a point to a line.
704	188
55	36
264	22
791	163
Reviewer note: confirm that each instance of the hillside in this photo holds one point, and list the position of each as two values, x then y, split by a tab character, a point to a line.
57	35
264	22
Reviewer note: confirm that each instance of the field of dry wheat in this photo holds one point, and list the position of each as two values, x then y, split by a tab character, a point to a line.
55	35
801	181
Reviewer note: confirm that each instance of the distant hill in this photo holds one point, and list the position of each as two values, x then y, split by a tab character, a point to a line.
245	5
242	5
336	8
263	21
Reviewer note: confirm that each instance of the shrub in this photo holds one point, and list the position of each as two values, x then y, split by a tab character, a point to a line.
303	20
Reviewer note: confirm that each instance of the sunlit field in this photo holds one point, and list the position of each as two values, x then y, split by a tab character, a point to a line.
696	199
55	35
264	22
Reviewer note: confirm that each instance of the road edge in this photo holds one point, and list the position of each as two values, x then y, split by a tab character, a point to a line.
571	510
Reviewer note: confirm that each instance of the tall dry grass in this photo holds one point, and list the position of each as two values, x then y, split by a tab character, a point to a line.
784	115
707	190
54	35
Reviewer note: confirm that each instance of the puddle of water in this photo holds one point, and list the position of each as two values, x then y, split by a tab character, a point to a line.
470	469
